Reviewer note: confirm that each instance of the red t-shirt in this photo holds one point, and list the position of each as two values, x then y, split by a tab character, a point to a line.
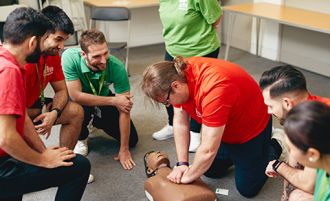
53	73
223	93
319	99
12	90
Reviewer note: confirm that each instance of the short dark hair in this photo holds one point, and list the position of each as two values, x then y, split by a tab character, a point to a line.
282	79
23	23
307	126
91	37
61	20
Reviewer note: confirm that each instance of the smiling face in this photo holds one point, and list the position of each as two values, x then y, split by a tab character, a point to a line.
55	42
97	56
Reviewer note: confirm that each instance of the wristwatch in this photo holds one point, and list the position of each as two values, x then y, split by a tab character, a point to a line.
276	164
59	111
182	163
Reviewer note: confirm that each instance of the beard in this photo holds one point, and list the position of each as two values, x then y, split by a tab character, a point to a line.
285	113
35	55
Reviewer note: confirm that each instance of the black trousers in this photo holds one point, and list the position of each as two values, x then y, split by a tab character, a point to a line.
194	125
18	178
250	160
109	122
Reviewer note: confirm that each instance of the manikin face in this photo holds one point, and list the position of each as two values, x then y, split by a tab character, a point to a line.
55	42
274	105
97	56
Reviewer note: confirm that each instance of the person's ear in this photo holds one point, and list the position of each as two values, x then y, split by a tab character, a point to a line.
175	85
287	103
83	54
32	43
313	155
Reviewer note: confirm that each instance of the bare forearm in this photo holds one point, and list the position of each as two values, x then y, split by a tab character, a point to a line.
302	179
181	134
125	130
31	136
60	99
92	100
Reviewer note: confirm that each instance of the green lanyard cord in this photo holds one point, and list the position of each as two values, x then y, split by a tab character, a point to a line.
42	92
100	83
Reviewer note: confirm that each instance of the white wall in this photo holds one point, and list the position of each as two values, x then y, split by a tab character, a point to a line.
146	27
295	46
307	49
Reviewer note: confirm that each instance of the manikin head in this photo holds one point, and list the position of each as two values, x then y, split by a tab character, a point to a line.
282	88
154	160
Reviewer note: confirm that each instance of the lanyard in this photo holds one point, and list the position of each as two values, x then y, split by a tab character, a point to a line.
100	83
42	92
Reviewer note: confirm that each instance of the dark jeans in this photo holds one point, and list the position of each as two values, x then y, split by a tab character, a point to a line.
18	178
109	122
250	160
194	125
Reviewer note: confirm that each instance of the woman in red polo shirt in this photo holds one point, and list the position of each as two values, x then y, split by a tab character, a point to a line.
227	101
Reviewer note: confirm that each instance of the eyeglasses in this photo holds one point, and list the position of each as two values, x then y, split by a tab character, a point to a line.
167	101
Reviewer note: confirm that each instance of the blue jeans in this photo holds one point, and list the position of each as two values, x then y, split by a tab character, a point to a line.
194	125
18	178
250	160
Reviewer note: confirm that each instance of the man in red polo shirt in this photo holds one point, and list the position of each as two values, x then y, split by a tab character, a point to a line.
46	112
283	87
25	166
226	100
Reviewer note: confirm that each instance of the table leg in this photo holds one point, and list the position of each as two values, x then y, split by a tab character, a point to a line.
232	18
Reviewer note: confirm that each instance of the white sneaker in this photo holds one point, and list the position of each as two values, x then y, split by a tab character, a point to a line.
81	147
195	141
91	179
278	135
164	133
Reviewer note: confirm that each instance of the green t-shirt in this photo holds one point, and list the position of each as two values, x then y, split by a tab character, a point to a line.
322	186
187	26
75	67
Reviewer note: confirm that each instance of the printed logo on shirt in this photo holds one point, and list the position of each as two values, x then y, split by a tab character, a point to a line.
49	70
198	113
183	5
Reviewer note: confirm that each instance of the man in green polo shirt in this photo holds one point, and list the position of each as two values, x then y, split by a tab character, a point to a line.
88	72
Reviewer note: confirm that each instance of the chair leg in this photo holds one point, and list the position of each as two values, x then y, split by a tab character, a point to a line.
126	61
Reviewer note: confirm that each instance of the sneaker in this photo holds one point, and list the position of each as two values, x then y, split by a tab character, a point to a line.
195	140
91	179
164	133
81	147
278	135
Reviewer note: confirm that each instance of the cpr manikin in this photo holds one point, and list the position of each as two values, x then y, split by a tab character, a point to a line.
159	188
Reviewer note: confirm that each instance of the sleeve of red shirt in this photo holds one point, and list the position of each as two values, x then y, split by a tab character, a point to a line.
58	74
11	96
217	103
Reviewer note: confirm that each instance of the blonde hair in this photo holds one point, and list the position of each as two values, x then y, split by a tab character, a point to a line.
157	78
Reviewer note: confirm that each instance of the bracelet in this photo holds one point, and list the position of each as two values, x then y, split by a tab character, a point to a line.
182	163
59	112
276	164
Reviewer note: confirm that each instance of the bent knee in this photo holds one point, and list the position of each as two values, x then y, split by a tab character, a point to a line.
249	190
300	195
73	111
82	163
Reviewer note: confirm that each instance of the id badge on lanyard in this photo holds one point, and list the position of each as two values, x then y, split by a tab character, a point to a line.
97	110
